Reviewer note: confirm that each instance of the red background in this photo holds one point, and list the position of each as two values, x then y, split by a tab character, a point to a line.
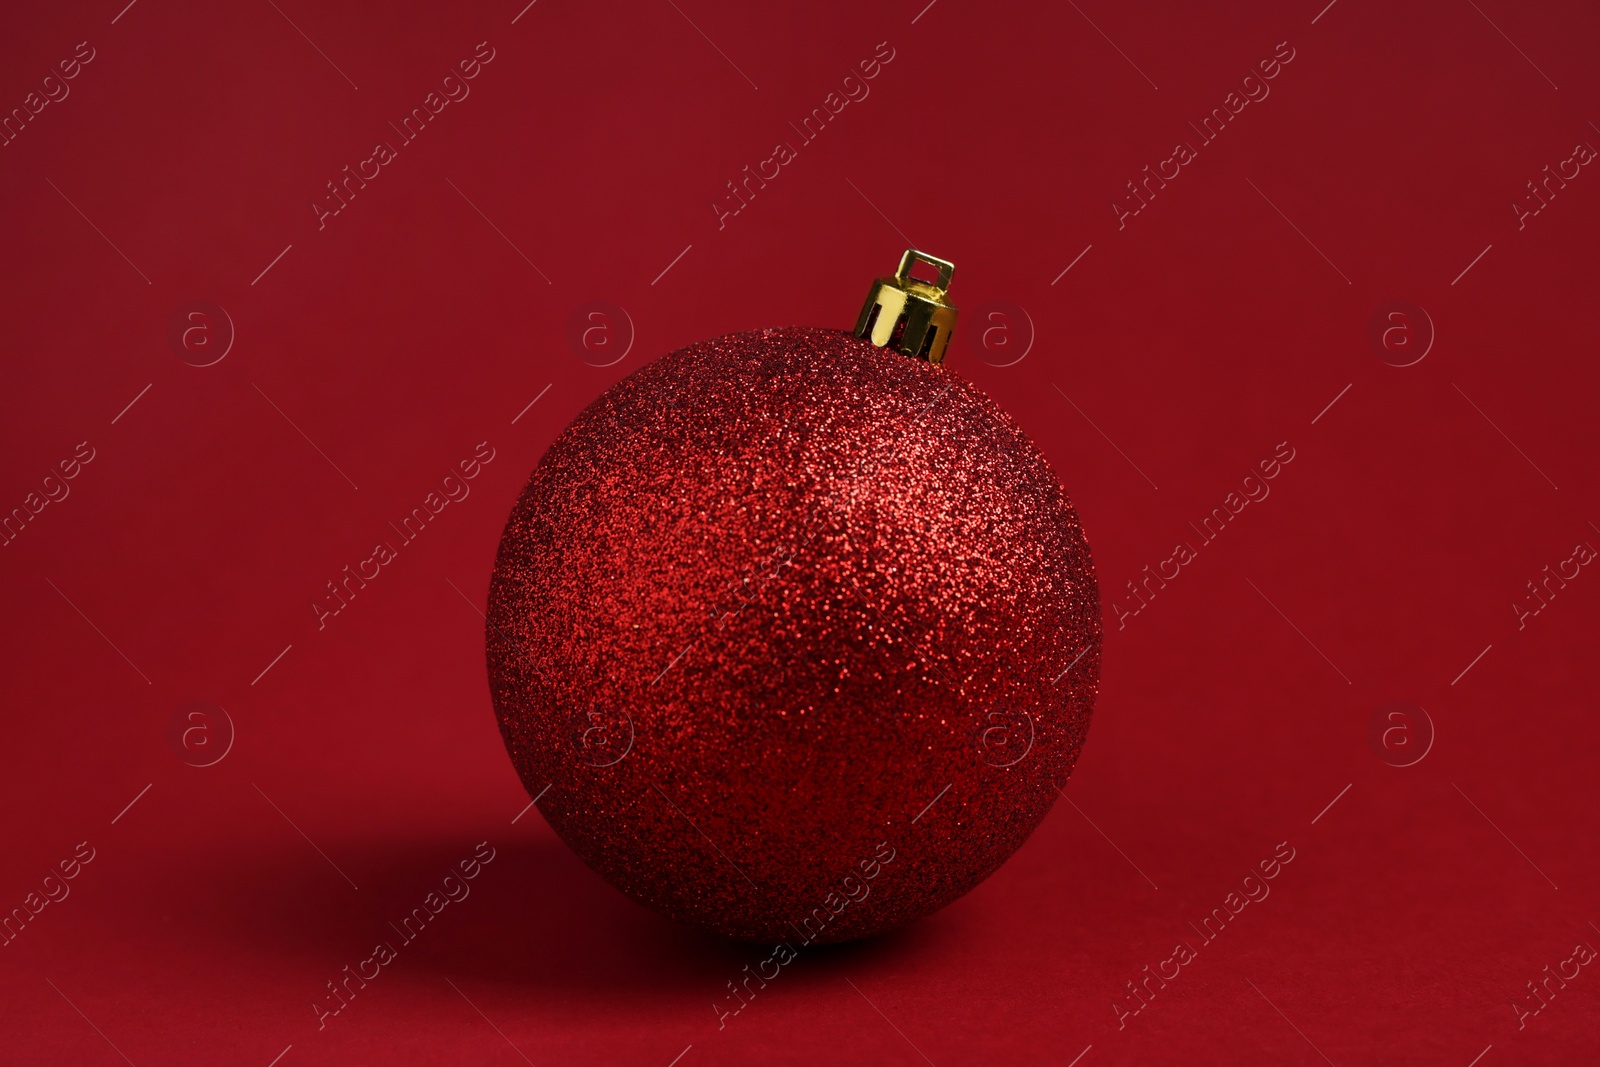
1234	708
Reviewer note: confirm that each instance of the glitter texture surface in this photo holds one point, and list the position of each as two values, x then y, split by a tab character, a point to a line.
777	606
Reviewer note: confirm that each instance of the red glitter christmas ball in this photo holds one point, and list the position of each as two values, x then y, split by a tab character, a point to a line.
792	636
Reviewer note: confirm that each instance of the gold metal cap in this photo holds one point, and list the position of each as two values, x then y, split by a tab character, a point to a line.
909	315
